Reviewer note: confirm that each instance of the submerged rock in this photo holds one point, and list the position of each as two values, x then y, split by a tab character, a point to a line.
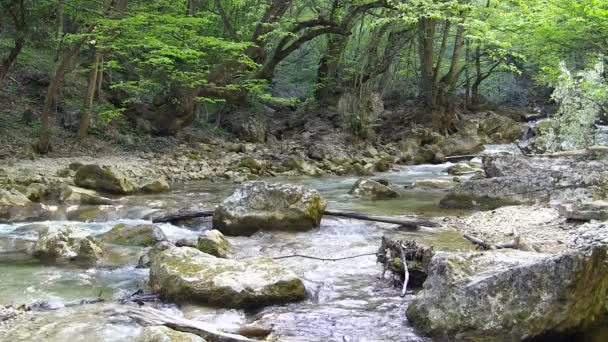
100	178
186	274
67	244
264	206
434	184
156	186
213	242
163	334
141	235
461	169
510	295
372	189
146	259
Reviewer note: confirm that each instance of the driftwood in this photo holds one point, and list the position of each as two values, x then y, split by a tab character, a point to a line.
517	243
407	223
140	297
147	316
394	256
182	216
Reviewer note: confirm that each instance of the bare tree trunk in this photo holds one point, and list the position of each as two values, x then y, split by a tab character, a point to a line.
44	143
442	49
478	77
85	121
327	74
426	48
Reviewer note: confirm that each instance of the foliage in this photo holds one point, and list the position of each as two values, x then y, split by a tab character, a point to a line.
582	99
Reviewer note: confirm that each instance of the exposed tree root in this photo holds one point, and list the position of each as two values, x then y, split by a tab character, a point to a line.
407	262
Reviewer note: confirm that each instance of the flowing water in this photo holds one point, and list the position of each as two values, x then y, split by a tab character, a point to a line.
346	300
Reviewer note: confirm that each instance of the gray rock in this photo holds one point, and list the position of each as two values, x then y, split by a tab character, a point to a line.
16	207
597	210
434	184
372	189
186	274
156	186
510	295
264	206
67	244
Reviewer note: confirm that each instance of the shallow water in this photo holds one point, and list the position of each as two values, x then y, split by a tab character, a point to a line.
346	301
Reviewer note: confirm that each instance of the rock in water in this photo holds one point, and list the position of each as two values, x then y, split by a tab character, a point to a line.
263	206
15	207
213	242
185	274
510	295
67	244
141	235
372	189
100	178
163	334
156	186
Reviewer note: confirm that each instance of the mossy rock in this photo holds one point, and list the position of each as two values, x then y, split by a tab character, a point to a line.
213	242
371	189
144	235
185	274
67	244
156	186
100	178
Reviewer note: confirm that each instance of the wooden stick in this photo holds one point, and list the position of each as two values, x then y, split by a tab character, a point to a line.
406	273
478	242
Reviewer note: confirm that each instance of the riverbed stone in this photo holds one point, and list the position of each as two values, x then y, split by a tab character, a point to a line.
143	235
16	207
461	169
371	189
434	184
163	334
64	244
145	260
156	186
103	178
213	242
185	274
585	211
260	205
510	295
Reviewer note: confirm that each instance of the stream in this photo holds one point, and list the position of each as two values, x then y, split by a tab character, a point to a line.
346	300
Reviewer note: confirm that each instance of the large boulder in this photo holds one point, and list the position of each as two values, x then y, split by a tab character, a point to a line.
584	211
67	244
67	194
511	295
144	235
434	184
156	186
264	206
185	274
368	188
500	129
15	207
103	178
213	242
163	334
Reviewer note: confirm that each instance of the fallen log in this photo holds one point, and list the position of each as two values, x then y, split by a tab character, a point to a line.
412	224
147	316
574	153
182	216
406	223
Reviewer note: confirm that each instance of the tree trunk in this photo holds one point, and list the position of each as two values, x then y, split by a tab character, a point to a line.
475	98
426	48
86	115
17	12
327	74
44	143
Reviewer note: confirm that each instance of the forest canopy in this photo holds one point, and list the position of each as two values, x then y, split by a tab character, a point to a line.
171	60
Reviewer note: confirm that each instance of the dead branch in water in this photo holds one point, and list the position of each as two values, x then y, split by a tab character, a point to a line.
182	216
409	223
322	259
147	316
394	256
